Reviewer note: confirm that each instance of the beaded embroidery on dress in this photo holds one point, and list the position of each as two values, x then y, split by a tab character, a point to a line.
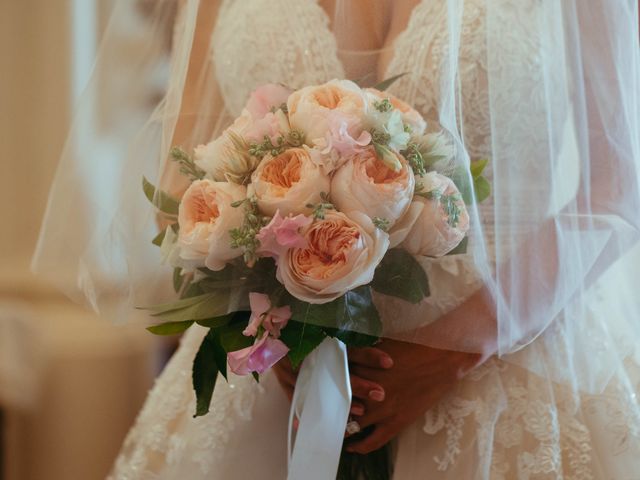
503	421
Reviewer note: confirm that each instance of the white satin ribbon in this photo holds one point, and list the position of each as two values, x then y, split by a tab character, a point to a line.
321	401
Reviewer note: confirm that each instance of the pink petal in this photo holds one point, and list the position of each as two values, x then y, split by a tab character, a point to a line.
259	303
259	357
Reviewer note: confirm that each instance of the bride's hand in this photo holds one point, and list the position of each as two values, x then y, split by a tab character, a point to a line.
419	378
370	358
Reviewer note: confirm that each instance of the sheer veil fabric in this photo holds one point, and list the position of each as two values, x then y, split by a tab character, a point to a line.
547	90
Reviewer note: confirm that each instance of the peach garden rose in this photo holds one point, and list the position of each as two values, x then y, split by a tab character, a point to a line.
330	115
205	217
341	254
439	218
288	182
366	184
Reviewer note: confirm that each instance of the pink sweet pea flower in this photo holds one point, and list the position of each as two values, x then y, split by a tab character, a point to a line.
345	134
272	319
259	357
266	98
282	234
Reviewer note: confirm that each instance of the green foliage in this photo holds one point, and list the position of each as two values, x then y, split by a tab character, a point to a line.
178	279
381	223
461	248
193	308
400	275
188	166
205	373
214	322
302	339
480	188
161	200
244	237
170	328
320	209
414	157
383	106
385	84
354	311
293	139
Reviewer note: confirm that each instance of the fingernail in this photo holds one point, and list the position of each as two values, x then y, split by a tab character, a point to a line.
357	410
386	362
376	395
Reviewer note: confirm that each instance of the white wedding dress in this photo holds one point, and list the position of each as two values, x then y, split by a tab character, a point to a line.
529	415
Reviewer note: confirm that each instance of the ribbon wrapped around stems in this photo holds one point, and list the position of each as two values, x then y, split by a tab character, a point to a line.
321	401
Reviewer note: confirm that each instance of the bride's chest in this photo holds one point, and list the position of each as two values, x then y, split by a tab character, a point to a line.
291	41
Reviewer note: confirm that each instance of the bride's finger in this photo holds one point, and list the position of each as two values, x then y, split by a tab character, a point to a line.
357	408
380	436
370	357
365	389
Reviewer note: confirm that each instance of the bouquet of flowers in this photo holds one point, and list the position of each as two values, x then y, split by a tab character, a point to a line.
307	204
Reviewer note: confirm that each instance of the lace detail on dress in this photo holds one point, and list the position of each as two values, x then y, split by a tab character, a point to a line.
306	54
165	433
542	430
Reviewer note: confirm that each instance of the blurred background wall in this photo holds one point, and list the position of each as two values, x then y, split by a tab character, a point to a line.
70	384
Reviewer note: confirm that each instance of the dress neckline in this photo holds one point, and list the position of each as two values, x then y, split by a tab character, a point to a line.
329	31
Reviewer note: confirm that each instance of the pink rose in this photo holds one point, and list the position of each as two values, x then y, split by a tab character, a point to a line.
205	217
266	99
330	115
262	314
259	357
438	219
281	234
342	253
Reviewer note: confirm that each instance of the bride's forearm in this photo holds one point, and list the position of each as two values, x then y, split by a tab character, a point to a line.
528	303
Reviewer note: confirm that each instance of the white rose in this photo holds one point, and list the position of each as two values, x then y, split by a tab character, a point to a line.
438	218
227	157
364	183
288	182
341	254
205	218
410	116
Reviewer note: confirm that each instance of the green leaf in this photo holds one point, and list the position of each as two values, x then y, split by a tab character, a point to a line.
170	328
220	353
178	279
482	189
214	322
382	86
157	240
161	200
301	339
205	374
400	275
177	304
460	249
205	308
354	311
231	337
478	167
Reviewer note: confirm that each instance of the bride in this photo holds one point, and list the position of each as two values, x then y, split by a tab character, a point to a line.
529	364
